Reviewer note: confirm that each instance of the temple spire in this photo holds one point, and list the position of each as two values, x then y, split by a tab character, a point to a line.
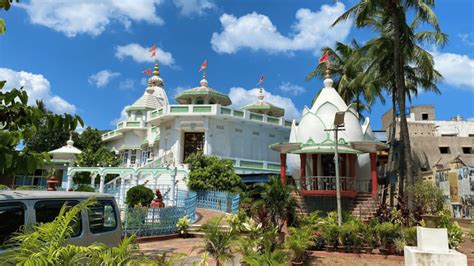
156	70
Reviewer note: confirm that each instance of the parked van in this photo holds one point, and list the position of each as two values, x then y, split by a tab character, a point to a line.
100	223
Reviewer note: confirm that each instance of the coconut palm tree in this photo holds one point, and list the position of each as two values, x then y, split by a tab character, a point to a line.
347	67
393	14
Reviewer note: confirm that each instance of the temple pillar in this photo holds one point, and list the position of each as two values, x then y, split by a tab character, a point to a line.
69	183
314	158
344	165
93	176
303	170
283	168
122	190
101	184
373	171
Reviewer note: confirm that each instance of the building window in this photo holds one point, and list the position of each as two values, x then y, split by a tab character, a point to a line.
256	133
271	135
238	130
471	135
467	150
444	150
220	127
125	157
424	116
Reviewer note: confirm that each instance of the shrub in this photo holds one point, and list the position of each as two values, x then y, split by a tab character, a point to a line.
139	195
3	187
455	233
298	241
212	173
85	188
25	188
388	232
428	197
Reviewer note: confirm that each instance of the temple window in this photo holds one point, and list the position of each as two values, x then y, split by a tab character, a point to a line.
199	101
212	101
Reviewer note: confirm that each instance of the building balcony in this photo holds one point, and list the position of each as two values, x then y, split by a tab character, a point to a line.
111	135
130	125
326	186
156	117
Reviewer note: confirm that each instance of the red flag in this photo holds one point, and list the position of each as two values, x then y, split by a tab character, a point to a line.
203	66
148	72
324	58
260	81
152	49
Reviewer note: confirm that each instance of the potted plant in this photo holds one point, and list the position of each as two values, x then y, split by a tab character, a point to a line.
388	232
183	226
330	233
345	239
298	241
429	199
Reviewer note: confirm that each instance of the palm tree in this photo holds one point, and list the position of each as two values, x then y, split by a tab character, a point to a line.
348	66
393	14
218	240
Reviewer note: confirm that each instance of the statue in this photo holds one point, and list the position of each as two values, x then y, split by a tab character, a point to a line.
158	201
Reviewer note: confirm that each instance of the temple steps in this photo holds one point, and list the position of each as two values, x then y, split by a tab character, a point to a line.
364	206
301	209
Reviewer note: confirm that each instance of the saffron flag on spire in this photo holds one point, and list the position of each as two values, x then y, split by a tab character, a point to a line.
324	58
147	72
203	66
152	51
260	81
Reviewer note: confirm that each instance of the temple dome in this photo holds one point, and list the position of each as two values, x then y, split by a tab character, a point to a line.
154	96
321	117
263	107
203	94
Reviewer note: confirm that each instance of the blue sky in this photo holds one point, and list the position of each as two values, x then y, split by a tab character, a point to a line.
87	57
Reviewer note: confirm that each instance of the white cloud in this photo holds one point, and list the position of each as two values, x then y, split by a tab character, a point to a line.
127	84
467	38
180	89
74	17
291	88
310	32
37	87
141	55
194	7
103	77
457	70
123	116
241	97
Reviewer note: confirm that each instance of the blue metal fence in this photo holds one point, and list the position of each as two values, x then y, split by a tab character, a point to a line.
159	221
218	200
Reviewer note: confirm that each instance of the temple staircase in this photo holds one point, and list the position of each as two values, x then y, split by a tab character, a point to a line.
363	206
301	208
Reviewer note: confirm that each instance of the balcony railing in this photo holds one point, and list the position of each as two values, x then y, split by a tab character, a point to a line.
324	183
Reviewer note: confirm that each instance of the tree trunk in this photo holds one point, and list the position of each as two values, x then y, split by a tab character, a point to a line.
397	13
393	141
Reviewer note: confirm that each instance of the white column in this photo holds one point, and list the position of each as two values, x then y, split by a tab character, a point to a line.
173	186
207	148
69	182
122	190
156	181
101	185
93	176
136	179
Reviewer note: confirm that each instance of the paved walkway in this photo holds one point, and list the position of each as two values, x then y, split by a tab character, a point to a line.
205	215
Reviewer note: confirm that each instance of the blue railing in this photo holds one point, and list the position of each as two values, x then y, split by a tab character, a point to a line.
159	221
218	200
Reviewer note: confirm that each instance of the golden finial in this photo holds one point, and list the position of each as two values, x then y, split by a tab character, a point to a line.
328	70
156	70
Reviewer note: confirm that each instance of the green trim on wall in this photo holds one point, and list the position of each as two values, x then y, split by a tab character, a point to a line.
238	113
256	117
179	109
202	109
251	164
288	123
273	120
225	111
273	166
133	124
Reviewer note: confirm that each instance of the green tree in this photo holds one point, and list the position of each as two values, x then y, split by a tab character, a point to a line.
347	66
19	121
94	153
211	173
5	4
392	13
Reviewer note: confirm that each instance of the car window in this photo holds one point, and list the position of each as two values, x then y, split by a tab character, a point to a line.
102	217
46	211
12	217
